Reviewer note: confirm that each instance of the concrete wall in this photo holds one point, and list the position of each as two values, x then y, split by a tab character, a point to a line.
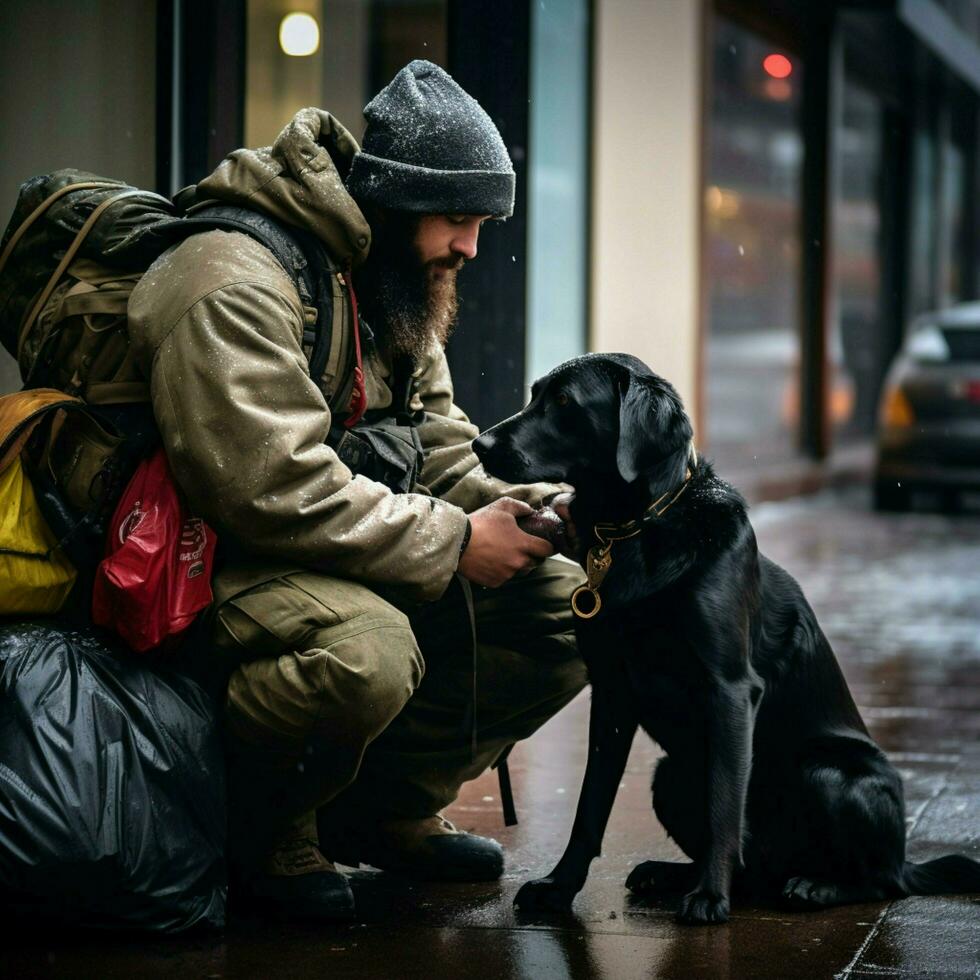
647	185
77	89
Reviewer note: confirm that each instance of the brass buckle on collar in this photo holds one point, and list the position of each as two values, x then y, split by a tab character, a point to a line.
597	564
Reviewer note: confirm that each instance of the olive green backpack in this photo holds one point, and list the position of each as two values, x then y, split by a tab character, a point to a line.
73	251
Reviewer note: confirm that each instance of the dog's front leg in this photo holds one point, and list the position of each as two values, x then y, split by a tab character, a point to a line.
731	716
612	725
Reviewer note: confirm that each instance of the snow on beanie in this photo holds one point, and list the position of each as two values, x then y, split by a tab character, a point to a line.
430	148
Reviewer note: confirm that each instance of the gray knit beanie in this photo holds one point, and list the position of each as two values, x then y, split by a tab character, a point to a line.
430	148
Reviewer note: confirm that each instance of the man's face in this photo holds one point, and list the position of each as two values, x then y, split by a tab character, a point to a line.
448	240
410	278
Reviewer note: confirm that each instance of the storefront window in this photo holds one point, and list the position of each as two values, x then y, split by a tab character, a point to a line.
954	175
855	348
922	295
557	184
361	46
753	171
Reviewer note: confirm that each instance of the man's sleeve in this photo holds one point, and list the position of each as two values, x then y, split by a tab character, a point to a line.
452	472
245	428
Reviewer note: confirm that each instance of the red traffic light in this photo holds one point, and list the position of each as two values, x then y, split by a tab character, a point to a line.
777	65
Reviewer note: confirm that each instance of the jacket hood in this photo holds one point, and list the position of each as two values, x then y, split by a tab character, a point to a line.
299	180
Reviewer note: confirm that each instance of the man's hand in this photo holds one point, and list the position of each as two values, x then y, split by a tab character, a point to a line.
560	505
498	549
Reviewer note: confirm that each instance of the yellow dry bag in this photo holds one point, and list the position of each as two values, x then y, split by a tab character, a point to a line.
35	575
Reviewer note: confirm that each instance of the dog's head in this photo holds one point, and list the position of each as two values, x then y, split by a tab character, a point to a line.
597	417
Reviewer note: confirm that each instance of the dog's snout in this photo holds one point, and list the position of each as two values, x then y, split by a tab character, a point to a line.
483	445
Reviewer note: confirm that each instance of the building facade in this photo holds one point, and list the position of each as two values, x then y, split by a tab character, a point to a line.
754	196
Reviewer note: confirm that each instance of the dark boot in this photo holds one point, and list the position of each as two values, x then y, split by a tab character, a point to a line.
428	849
296	882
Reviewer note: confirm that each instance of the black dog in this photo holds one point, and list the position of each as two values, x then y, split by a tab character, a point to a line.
770	776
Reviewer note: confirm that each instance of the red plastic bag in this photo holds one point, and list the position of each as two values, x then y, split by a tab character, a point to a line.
156	576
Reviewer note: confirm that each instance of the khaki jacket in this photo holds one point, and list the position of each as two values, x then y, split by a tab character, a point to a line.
217	326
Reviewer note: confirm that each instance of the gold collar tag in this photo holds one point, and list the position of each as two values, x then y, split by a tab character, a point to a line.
597	565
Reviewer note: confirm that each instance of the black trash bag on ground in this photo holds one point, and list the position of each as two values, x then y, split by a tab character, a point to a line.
112	799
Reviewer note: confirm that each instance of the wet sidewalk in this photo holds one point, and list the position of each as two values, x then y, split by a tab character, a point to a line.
899	598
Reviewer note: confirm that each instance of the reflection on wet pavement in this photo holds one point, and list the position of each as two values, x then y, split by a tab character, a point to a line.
899	598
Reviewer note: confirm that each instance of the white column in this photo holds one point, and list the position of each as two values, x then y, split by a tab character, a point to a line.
647	183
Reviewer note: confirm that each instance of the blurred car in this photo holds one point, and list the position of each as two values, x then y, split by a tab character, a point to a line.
929	417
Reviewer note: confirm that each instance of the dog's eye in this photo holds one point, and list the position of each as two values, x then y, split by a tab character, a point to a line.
562	399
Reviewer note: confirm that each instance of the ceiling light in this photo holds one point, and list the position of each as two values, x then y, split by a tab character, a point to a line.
299	35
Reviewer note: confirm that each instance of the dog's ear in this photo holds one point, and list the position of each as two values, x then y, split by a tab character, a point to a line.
637	443
654	432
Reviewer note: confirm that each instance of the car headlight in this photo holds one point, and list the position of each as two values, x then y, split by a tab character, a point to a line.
928	344
896	410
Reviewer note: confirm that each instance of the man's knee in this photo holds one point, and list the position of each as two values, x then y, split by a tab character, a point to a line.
532	613
548	591
321	659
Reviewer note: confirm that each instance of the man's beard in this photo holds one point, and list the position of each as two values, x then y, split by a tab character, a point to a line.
409	304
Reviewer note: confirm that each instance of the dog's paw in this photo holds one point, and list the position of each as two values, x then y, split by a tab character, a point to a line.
545	895
642	880
545	523
801	893
702	908
661	878
805	893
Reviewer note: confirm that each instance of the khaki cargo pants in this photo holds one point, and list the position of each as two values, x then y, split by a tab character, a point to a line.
339	695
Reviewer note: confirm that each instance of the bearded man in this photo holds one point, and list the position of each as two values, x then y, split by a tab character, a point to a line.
356	701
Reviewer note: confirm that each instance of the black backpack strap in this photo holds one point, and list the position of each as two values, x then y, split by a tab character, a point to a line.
402	388
301	255
322	270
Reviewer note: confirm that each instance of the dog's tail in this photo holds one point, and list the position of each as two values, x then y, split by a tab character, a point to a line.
950	875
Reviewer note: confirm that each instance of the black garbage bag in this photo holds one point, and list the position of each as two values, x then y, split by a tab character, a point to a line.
112	800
